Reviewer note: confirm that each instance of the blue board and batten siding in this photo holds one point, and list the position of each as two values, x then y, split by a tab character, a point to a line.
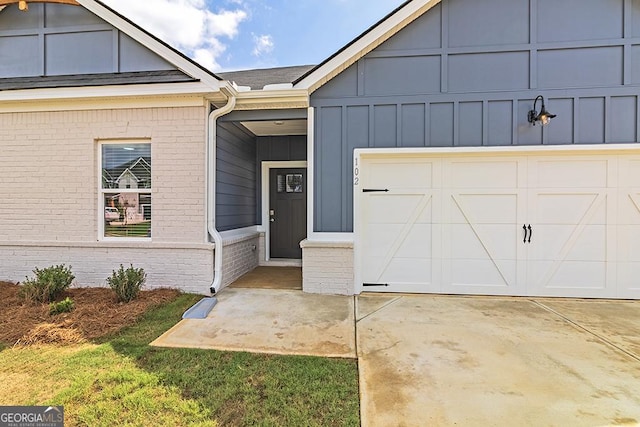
466	74
235	177
54	40
239	172
239	157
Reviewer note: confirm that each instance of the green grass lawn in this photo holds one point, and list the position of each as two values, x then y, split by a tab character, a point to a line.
140	229
123	381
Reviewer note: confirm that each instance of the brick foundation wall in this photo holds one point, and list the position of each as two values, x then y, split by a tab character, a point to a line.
239	256
262	249
327	267
189	269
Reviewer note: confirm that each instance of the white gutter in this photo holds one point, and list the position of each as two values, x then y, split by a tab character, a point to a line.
211	185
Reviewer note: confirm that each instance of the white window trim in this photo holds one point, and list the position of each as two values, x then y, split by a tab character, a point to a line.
103	191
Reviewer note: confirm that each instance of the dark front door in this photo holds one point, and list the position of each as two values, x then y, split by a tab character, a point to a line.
287	212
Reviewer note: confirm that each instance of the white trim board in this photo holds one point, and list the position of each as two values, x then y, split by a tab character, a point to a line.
496	151
265	169
117	243
311	118
239	233
112	92
337	238
102	104
281	263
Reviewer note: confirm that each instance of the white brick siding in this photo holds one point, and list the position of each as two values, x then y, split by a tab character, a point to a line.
262	249
49	171
187	268
49	177
327	267
273	262
239	256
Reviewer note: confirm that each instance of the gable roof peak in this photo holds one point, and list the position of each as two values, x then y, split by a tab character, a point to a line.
373	37
150	41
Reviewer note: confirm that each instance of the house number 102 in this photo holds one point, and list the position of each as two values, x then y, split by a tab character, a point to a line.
356	172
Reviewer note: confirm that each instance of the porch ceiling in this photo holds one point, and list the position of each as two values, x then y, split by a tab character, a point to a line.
276	127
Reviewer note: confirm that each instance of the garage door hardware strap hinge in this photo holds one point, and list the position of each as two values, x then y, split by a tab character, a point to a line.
374	284
373	190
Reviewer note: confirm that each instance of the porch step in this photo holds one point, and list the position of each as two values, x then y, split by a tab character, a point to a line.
201	309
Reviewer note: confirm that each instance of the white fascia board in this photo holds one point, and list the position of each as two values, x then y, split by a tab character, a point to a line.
30	106
272	99
366	43
151	43
156	89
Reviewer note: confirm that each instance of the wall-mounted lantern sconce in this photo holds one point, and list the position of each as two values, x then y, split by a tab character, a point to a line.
23	6
544	117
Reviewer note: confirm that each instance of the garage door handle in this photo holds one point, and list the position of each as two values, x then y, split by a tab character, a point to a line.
373	190
530	233
524	227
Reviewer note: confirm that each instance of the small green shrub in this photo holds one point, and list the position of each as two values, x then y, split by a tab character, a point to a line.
64	306
48	284
127	283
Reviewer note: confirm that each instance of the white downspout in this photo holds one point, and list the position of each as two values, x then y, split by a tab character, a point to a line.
211	186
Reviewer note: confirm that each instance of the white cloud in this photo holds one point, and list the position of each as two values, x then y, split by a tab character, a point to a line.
225	23
186	25
262	44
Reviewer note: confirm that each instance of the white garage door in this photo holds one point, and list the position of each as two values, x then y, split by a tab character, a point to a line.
561	225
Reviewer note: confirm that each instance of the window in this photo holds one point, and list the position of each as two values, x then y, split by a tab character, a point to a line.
125	190
294	183
290	183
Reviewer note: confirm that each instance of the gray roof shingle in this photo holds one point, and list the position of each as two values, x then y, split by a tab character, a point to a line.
144	77
258	79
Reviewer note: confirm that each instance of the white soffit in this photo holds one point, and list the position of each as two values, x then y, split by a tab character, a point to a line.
364	44
277	128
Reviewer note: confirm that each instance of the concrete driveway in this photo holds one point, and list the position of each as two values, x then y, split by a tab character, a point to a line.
441	360
481	361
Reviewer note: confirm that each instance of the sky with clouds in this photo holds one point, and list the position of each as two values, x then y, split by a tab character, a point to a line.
226	35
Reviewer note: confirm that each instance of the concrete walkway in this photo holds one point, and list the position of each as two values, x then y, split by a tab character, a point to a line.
271	321
441	360
271	278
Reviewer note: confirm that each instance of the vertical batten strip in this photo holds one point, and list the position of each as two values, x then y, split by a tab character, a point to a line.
346	166
607	122
444	40
627	34
485	123
533	44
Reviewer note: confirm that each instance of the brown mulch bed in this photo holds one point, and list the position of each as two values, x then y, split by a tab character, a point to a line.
96	314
